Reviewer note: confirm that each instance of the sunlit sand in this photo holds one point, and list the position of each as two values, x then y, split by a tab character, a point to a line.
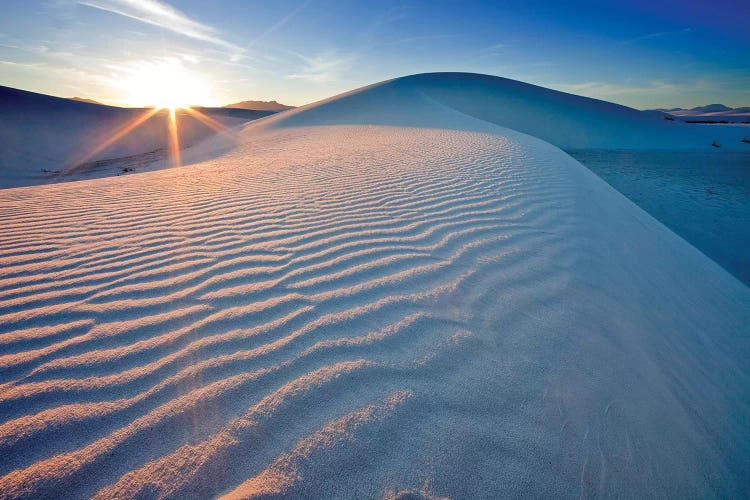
405	291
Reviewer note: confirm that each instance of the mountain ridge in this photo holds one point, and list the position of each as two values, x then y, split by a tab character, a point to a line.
259	105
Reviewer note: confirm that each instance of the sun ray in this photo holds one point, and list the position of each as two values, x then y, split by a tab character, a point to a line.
111	139
174	139
210	122
165	87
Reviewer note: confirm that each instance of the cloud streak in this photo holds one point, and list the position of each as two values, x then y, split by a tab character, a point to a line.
163	15
323	68
651	36
606	89
281	22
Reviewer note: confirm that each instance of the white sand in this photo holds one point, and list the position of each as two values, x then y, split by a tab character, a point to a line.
46	139
406	300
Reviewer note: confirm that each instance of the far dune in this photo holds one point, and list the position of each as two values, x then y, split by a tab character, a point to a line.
83	99
72	134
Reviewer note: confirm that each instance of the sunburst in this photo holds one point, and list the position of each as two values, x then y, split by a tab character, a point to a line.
164	88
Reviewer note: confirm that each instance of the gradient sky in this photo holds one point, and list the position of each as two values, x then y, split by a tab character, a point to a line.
643	54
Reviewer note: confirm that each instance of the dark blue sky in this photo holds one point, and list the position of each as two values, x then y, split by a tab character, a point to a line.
643	54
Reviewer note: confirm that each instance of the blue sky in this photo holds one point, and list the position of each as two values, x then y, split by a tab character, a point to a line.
643	54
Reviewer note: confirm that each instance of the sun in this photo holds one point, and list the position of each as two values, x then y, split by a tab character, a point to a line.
165	84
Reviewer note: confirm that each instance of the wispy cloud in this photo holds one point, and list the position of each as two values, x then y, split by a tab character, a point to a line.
323	68
20	64
606	89
385	18
415	39
158	13
728	88
493	49
42	50
658	34
488	52
647	89
281	22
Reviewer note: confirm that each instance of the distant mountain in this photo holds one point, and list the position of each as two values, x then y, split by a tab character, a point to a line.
83	99
708	109
259	105
711	113
712	108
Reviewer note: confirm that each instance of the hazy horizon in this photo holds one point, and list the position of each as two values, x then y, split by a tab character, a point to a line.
83	98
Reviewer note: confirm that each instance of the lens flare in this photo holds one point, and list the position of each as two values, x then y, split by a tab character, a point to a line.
166	89
174	139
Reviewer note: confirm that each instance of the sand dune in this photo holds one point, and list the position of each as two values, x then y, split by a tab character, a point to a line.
379	294
565	120
47	139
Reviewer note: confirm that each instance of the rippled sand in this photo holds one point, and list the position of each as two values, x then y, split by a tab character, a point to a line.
365	311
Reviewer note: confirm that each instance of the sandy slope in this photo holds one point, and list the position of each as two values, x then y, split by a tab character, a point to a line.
47	139
701	196
435	304
565	120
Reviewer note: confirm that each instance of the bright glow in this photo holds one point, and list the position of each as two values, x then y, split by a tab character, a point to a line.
174	138
165	84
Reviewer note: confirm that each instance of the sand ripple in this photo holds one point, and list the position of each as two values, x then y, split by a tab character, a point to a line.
380	307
